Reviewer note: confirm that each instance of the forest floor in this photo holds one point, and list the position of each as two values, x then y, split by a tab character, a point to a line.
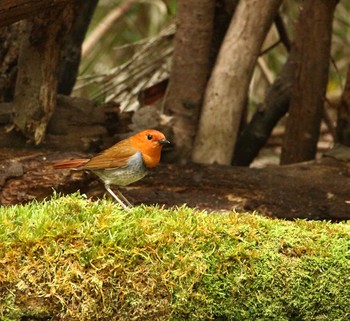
314	190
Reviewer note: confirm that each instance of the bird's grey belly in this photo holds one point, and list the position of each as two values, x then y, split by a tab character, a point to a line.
125	175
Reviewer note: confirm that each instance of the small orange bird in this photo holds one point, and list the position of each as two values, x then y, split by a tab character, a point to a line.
124	163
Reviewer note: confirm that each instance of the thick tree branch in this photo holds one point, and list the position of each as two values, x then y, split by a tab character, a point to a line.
275	106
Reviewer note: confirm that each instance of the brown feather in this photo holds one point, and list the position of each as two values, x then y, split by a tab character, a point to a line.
74	163
116	156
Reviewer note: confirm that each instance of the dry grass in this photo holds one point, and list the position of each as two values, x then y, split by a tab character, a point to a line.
74	259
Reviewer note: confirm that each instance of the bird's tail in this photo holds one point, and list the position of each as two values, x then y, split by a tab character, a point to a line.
74	163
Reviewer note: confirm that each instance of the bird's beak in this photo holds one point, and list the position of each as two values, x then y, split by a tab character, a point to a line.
163	142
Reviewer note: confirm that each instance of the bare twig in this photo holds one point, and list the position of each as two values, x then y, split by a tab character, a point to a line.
328	119
282	31
267	73
104	25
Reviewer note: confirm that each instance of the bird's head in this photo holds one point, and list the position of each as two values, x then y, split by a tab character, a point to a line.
149	142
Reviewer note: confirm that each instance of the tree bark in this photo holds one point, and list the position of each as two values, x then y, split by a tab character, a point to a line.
312	43
15	10
189	73
36	86
227	88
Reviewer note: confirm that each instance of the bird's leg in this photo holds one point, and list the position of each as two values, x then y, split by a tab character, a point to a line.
125	200
108	189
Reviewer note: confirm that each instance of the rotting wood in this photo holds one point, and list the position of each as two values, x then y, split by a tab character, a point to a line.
14	10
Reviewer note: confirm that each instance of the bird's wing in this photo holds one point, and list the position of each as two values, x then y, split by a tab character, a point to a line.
115	157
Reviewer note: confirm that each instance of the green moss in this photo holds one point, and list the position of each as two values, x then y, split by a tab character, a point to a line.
81	260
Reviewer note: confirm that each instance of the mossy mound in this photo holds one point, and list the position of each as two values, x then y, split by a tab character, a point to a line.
73	259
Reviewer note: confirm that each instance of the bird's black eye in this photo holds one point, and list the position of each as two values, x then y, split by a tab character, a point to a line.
149	137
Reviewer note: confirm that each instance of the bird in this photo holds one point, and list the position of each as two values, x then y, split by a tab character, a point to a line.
126	162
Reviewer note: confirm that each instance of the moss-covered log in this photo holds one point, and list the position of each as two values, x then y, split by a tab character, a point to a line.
73	259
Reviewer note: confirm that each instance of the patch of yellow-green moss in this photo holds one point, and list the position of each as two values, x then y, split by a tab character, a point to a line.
76	259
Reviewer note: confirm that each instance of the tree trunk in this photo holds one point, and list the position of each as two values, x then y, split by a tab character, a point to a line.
71	53
189	73
312	43
227	88
15	10
343	121
35	95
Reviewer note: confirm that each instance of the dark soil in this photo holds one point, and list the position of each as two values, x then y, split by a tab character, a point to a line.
313	190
